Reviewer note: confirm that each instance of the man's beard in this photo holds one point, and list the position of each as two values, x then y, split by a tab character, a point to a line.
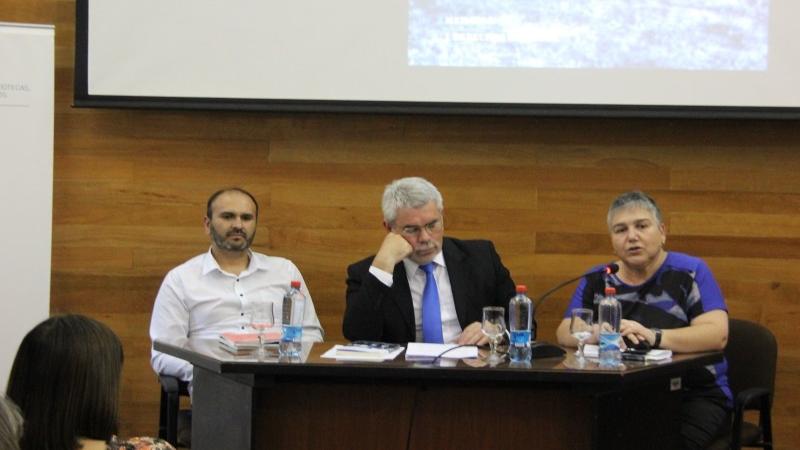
222	243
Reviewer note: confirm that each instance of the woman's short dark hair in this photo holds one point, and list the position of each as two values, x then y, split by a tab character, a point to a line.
65	379
634	199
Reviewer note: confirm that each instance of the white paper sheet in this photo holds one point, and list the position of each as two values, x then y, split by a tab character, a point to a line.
419	350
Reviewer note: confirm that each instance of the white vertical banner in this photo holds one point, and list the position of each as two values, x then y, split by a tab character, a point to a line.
26	182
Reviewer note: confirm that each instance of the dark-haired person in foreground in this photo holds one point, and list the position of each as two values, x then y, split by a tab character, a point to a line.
209	294
386	293
670	300
65	380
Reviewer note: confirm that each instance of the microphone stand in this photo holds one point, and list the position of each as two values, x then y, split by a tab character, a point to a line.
547	350
547	294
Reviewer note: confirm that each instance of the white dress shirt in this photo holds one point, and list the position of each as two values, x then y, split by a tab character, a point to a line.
451	329
198	299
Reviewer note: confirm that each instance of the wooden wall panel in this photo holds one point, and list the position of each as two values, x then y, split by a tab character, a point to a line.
130	188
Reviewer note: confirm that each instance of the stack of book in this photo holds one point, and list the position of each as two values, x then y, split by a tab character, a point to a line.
239	343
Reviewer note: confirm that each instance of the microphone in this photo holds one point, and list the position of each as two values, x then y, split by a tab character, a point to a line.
606	270
543	349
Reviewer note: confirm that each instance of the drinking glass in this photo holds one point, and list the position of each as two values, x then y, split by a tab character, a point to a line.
494	327
580	326
261	318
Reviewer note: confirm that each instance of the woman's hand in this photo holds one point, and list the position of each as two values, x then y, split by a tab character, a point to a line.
708	331
636	332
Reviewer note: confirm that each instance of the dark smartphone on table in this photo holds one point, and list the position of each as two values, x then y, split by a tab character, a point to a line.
634	354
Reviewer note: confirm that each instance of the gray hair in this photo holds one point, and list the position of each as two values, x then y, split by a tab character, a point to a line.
10	424
636	199
410	192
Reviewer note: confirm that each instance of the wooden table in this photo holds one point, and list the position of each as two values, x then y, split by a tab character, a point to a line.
240	402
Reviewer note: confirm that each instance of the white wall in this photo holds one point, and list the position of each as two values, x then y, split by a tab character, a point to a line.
26	182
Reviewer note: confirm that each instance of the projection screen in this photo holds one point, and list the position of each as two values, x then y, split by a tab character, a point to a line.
707	58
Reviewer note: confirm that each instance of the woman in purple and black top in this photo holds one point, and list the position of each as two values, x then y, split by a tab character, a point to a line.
670	300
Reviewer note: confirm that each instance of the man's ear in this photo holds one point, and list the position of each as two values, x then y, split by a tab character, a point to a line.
387	226
207	224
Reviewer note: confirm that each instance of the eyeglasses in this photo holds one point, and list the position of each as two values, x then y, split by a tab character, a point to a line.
415	231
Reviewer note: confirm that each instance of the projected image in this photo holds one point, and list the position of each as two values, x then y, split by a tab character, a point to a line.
620	34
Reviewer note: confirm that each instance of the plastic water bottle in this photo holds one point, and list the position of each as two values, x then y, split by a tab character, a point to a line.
610	315
293	304
520	310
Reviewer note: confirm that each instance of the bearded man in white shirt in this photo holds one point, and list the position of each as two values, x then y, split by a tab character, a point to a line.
210	293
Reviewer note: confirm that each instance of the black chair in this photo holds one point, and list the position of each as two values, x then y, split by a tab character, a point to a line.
171	391
751	352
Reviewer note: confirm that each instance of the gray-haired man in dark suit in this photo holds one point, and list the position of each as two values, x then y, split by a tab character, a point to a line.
388	294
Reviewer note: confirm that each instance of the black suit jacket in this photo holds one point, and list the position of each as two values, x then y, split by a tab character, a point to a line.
379	313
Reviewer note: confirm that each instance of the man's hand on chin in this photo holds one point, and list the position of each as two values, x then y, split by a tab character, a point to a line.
393	249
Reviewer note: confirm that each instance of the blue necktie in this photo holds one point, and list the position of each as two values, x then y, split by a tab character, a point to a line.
431	315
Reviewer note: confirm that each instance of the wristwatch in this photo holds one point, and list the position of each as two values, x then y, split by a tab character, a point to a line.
657	332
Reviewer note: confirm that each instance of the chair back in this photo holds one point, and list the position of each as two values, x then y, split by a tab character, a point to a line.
752	353
171	391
